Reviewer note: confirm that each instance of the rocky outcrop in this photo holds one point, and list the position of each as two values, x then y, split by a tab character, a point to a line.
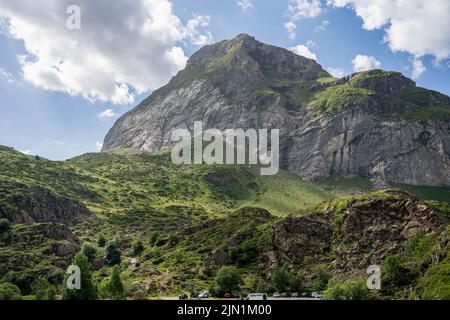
351	238
21	204
374	124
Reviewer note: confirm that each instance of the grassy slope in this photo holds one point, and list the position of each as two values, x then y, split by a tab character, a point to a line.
134	196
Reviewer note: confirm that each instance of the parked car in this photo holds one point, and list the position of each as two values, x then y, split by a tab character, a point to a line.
257	296
227	295
317	295
183	297
306	295
203	295
285	295
295	295
276	295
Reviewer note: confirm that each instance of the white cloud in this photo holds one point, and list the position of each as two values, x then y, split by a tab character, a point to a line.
291	27
5	75
109	113
417	27
336	72
365	63
123	48
322	26
245	5
304	51
417	68
299	9
98	146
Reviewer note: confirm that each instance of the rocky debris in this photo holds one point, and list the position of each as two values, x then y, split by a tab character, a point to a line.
366	231
243	83
64	248
27	205
220	257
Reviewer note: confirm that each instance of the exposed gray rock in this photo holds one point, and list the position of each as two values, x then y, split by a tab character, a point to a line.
384	128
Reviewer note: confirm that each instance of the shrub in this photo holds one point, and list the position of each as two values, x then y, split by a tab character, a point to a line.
154	237
43	290
9	291
137	247
112	254
349	290
89	250
101	241
321	279
395	275
228	279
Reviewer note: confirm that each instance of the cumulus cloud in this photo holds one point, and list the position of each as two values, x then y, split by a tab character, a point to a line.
336	72
304	51
245	5
417	68
109	113
365	63
300	9
98	146
291	28
415	26
123	47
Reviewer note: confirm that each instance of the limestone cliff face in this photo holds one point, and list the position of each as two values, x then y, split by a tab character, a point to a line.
374	124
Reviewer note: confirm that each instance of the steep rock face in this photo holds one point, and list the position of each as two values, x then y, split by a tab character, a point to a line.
361	233
374	124
21	204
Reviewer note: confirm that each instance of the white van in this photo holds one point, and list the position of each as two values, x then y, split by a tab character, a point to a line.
257	296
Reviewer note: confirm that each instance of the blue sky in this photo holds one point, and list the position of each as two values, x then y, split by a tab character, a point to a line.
61	118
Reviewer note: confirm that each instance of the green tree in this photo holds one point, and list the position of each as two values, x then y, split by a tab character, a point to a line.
228	279
281	279
9	291
349	290
43	290
89	250
321	279
394	274
114	287
154	237
137	247
88	290
112	254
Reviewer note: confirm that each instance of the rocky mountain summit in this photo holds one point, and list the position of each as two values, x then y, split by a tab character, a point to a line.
374	124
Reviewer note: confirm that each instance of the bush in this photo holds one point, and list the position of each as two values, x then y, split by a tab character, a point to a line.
5	226
154	237
88	290
281	279
349	290
89	250
9	291
112	254
395	275
228	279
137	247
321	279
113	288
101	241
43	290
